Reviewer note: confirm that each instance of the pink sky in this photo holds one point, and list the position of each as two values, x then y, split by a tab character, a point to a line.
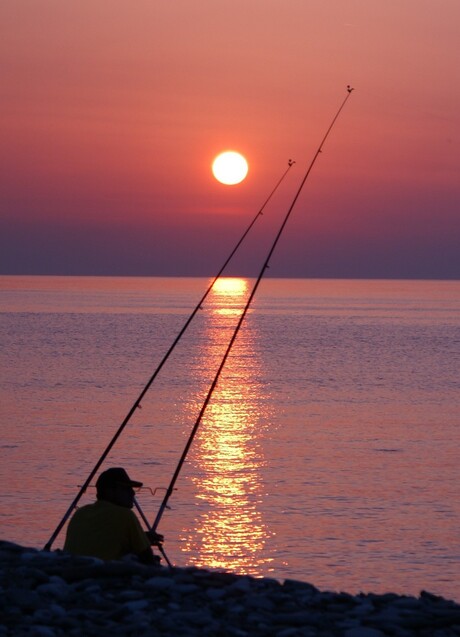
112	112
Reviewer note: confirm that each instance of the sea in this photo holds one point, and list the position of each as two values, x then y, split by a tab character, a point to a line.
325	450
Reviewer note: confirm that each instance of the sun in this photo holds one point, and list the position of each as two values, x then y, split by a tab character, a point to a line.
230	167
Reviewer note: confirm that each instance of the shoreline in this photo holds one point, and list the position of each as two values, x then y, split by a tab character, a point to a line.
54	594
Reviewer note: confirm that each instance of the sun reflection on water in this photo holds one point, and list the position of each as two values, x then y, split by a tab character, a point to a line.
231	286
227	296
229	531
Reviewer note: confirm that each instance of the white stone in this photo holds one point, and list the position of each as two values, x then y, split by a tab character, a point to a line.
159	583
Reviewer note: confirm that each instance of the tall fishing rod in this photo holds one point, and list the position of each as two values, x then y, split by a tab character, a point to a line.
163	361
265	266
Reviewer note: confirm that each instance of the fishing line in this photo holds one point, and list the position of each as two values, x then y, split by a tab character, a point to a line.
265	266
163	361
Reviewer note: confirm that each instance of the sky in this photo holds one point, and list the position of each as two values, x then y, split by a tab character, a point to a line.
112	112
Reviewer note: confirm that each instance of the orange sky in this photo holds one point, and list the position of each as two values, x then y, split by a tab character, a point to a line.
112	112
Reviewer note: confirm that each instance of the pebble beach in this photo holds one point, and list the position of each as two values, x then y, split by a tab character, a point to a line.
53	594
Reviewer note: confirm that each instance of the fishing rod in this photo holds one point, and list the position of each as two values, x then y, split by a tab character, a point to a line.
137	402
158	543
265	266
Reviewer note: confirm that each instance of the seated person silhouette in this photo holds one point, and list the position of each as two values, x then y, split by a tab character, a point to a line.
108	529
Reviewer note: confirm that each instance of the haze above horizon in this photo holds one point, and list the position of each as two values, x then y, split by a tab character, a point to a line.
113	112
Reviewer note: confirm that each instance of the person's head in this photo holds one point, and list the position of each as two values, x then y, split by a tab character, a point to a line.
115	486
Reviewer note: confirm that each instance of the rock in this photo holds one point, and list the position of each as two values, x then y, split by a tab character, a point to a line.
362	631
58	595
159	583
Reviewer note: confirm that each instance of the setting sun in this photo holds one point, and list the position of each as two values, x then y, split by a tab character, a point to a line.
230	168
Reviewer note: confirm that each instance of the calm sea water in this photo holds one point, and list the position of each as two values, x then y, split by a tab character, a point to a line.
329	450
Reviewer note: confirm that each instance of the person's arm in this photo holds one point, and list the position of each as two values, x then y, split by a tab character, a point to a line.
140	542
154	538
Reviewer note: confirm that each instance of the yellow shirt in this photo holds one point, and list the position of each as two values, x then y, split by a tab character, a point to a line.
105	530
